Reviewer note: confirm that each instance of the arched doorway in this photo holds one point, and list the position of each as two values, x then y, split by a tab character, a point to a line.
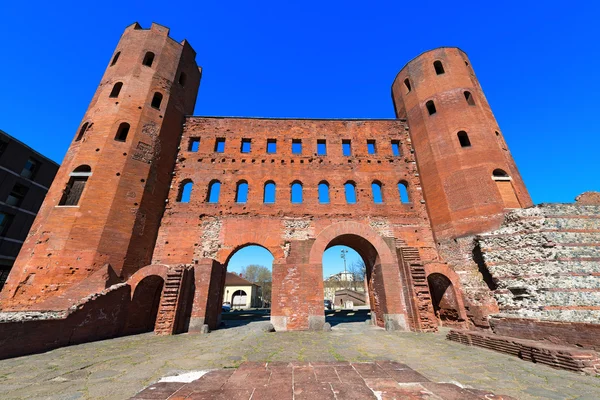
443	297
239	300
143	308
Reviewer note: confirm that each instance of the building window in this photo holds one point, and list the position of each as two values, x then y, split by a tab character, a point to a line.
156	100
182	78
346	147
463	139
3	146
116	90
30	169
185	191
396	148
506	189
75	186
246	143
214	189
241	192
269	195
16	196
469	98
430	107
194	144
148	59
439	68
323	192
115	58
271	146
122	132
371	147
321	147
5	222
82	132
403	192
296	192
350	189
377	193
407	84
220	145
296	146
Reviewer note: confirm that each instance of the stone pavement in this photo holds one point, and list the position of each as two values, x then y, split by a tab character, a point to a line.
120	368
383	380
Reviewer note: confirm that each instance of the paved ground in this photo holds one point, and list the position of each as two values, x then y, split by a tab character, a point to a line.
121	367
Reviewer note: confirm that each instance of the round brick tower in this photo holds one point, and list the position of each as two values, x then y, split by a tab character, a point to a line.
108	197
468	175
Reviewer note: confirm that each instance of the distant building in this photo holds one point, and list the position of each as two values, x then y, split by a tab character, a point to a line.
25	176
241	293
340	281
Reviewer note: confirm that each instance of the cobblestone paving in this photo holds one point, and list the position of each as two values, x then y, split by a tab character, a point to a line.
121	367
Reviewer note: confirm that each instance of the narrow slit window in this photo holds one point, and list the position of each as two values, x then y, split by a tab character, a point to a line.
350	191
407	84
241	193
156	100
148	59
246	145
185	191
377	192
430	107
214	189
271	146
439	68
346	148
182	78
122	132
116	90
396	148
463	139
74	189
296	146
469	98
84	128
403	192
296	192
194	144
269	195
371	149
115	58
321	147
220	145
323	192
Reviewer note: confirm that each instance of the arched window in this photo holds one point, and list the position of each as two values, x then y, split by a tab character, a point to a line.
463	139
74	189
296	192
241	192
407	84
439	68
185	191
148	59
214	189
377	193
182	78
403	192
115	58
430	107
499	174
82	131
469	98
323	192
506	189
156	100
116	89
269	196
350	189
122	132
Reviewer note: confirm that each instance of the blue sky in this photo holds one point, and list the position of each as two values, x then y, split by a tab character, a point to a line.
537	63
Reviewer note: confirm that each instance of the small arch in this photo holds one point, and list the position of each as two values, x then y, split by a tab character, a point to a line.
403	192
122	132
407	85
185	191
214	189
84	128
469	98
148	59
444	299
506	189
182	78
439	68
144	305
296	192
500	173
269	192
115	58
430	107
116	90
84	168
350	191
463	139
156	100
377	192
241	192
239	299
323	192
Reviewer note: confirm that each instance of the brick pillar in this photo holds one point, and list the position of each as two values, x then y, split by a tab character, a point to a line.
209	278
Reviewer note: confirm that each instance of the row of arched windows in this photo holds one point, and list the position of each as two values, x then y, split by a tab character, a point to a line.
120	136
147	61
296	192
430	105
156	99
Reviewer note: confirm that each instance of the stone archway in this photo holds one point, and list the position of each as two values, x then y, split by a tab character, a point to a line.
445	300
144	305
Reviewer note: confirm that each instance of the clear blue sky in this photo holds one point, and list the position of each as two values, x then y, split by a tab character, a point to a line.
537	63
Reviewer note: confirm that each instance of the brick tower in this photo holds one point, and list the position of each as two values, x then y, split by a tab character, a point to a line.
105	205
468	175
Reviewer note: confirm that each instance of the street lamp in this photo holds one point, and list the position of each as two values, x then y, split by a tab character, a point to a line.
343	255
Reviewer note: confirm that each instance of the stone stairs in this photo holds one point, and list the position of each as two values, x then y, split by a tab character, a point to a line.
169	302
422	318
